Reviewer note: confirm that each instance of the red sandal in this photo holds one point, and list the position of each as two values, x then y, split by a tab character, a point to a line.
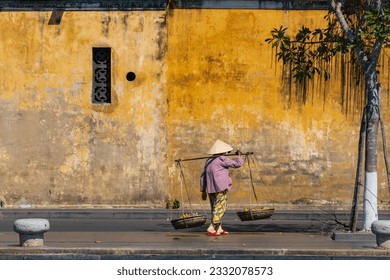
214	233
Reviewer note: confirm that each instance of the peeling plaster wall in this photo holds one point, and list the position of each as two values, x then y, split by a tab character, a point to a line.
224	84
56	148
202	75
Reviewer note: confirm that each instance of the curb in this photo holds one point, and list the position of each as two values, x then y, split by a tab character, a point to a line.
121	253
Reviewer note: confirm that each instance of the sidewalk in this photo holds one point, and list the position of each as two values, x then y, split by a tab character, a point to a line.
147	234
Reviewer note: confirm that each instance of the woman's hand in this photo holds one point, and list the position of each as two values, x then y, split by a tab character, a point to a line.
204	195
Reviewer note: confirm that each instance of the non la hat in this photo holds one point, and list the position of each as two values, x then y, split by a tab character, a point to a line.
219	147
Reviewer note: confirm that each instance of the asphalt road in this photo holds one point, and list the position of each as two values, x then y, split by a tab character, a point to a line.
160	222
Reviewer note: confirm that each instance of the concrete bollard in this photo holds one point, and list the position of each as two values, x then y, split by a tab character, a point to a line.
381	228
31	231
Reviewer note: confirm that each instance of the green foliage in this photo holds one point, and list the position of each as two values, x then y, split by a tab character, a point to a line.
176	204
309	52
377	27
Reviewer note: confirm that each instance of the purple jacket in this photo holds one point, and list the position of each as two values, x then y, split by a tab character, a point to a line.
217	173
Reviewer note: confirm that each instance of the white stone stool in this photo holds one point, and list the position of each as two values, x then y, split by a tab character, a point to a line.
381	228
31	231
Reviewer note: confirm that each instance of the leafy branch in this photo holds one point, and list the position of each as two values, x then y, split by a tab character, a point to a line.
357	34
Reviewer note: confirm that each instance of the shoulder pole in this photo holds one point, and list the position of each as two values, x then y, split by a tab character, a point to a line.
227	155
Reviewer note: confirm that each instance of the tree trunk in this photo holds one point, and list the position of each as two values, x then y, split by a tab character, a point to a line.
358	177
370	201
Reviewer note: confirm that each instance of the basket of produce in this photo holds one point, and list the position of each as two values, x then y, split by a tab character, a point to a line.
255	213
189	221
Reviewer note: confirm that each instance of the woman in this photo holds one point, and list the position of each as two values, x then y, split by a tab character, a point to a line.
216	182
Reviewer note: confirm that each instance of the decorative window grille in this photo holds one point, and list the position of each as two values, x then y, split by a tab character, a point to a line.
101	85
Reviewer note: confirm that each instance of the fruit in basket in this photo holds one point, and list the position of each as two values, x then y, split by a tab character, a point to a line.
250	214
257	209
187	215
188	220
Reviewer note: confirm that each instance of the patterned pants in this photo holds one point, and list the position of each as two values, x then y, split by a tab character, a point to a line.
218	203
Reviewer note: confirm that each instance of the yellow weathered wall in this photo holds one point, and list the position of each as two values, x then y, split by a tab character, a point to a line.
224	84
202	75
56	148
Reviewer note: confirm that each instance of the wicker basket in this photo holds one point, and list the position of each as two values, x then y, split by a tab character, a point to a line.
189	222
255	214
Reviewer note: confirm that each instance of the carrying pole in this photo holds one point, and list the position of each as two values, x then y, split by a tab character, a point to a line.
213	156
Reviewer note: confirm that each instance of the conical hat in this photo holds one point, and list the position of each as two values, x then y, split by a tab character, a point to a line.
219	147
